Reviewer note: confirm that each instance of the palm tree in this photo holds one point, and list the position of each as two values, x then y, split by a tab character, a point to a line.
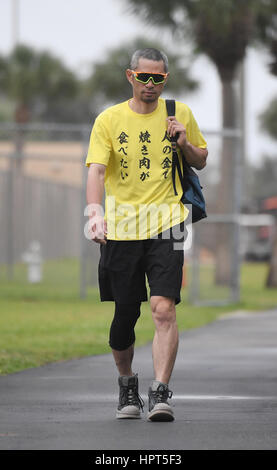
267	31
34	77
221	29
34	81
59	92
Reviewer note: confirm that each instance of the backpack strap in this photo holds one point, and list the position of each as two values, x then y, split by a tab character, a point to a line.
170	106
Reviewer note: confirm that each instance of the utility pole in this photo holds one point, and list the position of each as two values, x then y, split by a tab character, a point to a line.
15	23
13	159
243	104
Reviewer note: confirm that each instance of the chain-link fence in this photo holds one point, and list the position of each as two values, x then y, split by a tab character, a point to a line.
42	183
214	260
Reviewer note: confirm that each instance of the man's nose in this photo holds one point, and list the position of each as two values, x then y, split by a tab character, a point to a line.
150	84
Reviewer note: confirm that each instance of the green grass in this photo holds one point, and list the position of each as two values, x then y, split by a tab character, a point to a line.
49	322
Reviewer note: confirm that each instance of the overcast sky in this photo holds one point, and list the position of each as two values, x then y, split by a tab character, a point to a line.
80	32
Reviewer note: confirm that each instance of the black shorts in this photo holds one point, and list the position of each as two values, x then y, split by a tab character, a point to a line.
124	264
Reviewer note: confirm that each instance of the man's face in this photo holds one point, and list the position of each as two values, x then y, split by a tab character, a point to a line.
149	92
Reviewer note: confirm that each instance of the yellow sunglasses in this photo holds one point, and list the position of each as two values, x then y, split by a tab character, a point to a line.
145	77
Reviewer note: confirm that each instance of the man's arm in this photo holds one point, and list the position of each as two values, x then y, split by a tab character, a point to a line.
95	193
195	156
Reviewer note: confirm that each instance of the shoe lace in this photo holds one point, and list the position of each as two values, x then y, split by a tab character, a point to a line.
162	394
132	397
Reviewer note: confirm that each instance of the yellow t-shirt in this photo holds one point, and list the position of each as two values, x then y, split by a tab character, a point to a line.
140	200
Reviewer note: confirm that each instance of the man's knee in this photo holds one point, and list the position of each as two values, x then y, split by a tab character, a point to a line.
122	333
163	310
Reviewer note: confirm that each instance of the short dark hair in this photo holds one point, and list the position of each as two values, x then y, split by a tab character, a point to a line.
150	54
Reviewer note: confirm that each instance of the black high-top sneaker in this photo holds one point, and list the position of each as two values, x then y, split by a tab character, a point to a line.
130	403
159	408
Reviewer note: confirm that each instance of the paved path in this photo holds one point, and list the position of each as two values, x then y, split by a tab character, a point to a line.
224	384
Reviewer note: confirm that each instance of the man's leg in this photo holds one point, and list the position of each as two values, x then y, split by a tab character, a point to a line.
123	281
166	338
164	349
122	335
122	340
123	360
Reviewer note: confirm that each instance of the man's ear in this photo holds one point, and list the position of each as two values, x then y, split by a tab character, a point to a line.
129	76
166	78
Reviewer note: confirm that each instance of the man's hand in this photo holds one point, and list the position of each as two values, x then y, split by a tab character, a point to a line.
195	156
174	127
98	229
97	226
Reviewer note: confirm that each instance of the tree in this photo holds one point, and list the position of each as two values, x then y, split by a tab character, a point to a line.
5	107
267	30
261	181
35	82
61	94
268	119
43	88
108	84
221	29
268	34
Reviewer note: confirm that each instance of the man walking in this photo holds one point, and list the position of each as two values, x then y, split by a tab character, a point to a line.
130	155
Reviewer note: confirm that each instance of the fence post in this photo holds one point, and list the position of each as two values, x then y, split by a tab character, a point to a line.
10	222
237	195
83	240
